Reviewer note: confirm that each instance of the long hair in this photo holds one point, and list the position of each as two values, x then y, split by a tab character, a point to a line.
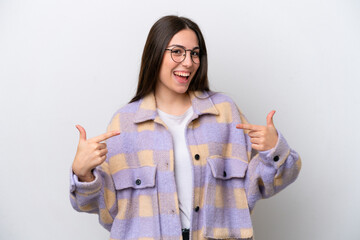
158	38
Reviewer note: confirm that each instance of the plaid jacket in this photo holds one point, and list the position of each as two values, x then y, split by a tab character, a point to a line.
134	192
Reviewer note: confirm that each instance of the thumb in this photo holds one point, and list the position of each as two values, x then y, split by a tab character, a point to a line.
82	133
269	118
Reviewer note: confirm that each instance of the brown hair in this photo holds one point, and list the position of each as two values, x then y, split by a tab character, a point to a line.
158	38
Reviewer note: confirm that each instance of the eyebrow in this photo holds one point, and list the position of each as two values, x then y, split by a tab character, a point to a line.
177	45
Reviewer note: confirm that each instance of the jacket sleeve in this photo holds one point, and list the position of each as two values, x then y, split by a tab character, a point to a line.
269	171
97	196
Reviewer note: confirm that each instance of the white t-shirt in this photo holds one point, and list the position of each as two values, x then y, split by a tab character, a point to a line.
183	166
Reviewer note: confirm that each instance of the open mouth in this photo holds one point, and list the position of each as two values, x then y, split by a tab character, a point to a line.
182	77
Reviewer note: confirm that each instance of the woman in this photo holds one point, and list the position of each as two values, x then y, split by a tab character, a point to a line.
180	161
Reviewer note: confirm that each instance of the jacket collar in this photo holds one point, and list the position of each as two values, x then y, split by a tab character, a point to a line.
200	101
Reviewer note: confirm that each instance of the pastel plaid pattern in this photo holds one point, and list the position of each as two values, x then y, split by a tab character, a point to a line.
134	192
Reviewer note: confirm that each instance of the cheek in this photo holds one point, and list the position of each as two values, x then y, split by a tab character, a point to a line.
167	68
165	73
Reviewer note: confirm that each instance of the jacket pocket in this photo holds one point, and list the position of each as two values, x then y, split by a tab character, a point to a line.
135	178
137	203
227	168
226	211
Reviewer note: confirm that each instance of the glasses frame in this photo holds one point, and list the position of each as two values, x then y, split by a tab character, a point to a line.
184	56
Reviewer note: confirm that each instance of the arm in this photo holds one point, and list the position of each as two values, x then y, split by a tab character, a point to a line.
273	165
91	186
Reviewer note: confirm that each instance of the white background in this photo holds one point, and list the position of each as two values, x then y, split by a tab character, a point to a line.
76	62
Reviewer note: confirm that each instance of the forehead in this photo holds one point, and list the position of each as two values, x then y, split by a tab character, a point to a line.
186	38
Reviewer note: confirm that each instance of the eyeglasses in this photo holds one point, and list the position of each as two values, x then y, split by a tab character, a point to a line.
178	54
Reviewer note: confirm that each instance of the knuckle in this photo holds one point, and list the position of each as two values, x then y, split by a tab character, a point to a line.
94	146
101	159
97	153
98	161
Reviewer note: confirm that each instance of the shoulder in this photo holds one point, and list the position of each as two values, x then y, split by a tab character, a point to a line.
128	108
227	106
223	102
123	115
219	97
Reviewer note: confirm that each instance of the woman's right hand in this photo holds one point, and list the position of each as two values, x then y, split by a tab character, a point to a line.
90	154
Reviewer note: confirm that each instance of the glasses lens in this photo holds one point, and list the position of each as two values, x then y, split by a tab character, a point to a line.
195	56
178	54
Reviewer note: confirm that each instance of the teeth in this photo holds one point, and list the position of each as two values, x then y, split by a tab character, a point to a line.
182	74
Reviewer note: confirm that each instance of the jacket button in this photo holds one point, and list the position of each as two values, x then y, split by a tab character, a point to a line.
276	158
197	156
197	209
224	174
138	182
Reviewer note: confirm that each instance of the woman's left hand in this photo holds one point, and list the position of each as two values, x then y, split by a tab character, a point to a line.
262	138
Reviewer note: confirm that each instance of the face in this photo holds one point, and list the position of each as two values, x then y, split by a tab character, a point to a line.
174	78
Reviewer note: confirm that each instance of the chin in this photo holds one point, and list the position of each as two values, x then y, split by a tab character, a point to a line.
181	90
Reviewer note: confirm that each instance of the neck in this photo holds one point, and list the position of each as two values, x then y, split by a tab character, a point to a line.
173	103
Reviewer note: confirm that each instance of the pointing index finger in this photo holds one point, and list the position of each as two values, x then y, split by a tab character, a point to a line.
105	136
248	127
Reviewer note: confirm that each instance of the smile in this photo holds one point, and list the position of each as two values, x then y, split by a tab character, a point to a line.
182	77
182	74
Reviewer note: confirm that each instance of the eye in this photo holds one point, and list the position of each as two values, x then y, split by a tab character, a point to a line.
195	54
177	51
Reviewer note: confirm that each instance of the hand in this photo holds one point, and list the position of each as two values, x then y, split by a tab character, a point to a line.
90	154
262	137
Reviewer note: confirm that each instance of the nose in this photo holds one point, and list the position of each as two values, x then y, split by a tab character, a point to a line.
187	61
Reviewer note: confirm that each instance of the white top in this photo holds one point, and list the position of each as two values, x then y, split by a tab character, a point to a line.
183	166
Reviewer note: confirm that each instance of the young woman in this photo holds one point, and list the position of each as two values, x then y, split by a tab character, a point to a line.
180	162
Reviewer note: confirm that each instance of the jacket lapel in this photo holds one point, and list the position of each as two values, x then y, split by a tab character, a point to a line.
200	100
